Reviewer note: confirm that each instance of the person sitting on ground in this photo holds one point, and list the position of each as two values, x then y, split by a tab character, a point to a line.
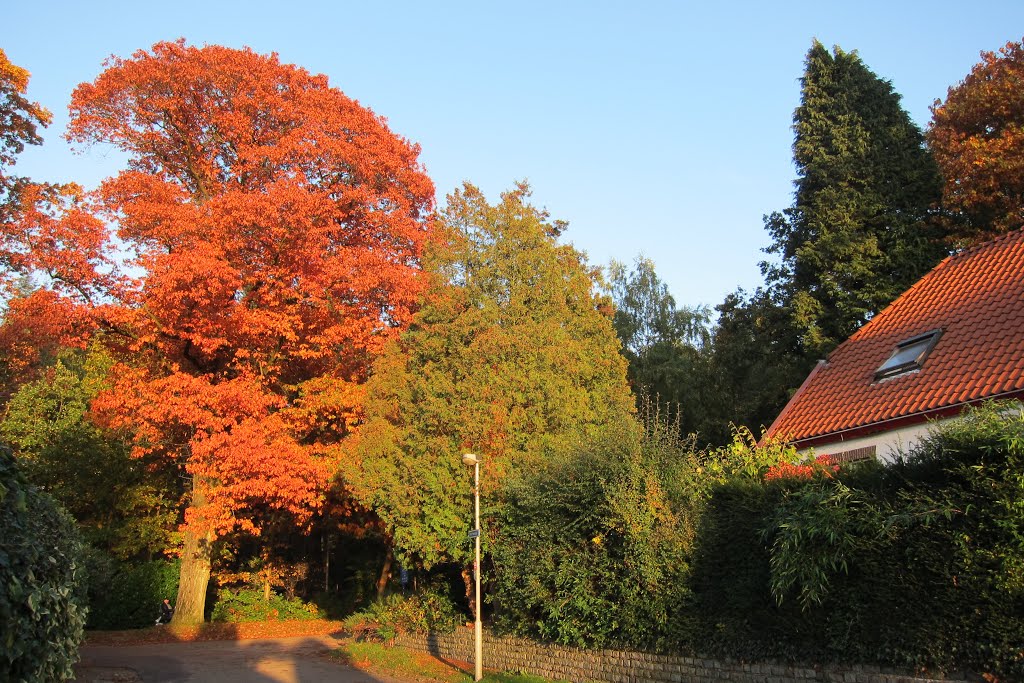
166	612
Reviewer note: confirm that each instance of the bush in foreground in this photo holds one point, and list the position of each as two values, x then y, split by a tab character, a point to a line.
428	610
42	583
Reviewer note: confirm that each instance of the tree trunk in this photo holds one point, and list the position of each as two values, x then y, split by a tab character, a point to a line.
326	545
385	574
190	607
467	578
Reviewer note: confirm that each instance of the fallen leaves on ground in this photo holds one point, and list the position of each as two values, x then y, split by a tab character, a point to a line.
217	631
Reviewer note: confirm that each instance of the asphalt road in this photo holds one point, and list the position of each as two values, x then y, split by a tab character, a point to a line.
281	660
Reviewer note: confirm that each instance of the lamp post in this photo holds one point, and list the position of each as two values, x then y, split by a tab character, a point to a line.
474	460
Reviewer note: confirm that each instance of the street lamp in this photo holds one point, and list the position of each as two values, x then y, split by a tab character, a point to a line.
474	460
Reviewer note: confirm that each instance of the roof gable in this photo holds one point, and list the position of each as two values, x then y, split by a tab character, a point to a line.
976	299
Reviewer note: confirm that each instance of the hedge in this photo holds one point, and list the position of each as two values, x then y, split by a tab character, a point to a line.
652	546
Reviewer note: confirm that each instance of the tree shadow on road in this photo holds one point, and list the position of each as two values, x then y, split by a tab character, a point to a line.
283	660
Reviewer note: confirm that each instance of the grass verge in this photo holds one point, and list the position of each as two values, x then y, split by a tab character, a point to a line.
418	666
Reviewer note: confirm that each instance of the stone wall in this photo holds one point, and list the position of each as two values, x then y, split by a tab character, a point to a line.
614	666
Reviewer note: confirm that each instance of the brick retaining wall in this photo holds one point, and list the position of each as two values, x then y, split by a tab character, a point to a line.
615	666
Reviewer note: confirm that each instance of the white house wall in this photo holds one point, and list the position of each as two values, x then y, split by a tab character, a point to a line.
886	444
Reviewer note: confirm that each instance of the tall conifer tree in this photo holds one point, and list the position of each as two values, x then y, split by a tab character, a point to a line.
862	228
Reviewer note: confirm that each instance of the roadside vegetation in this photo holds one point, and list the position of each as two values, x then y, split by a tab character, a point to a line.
750	553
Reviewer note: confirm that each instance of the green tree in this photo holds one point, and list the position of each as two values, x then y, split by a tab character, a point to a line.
863	226
666	345
512	355
755	362
127	506
646	313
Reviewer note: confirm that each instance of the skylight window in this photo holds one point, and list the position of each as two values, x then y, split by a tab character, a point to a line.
909	355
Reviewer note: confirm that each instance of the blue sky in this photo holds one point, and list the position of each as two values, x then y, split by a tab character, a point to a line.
660	128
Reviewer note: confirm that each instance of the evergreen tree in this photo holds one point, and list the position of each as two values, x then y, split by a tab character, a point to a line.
863	226
512	356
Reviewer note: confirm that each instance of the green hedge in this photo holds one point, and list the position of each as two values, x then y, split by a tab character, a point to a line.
917	564
652	546
42	586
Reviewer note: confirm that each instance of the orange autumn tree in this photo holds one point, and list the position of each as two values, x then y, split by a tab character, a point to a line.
272	229
977	137
35	323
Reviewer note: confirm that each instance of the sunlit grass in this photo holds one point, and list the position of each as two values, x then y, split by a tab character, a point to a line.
400	662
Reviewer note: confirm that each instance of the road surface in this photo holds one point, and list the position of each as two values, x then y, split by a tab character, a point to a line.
281	660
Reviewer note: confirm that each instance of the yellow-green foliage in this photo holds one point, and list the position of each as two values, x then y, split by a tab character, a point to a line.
511	356
121	504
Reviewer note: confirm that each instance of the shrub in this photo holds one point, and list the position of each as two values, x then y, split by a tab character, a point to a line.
595	547
126	595
431	609
823	465
249	604
42	587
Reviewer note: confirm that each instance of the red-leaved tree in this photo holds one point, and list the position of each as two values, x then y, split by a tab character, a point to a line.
258	251
977	136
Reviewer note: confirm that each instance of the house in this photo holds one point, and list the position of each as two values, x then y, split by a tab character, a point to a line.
954	339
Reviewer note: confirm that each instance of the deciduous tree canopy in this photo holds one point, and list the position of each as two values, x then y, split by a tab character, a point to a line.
20	118
666	346
512	356
977	136
35	323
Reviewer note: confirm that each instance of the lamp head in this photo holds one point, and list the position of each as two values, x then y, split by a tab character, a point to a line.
470	459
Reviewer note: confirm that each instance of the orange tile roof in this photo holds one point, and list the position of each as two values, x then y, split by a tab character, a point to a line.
976	297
